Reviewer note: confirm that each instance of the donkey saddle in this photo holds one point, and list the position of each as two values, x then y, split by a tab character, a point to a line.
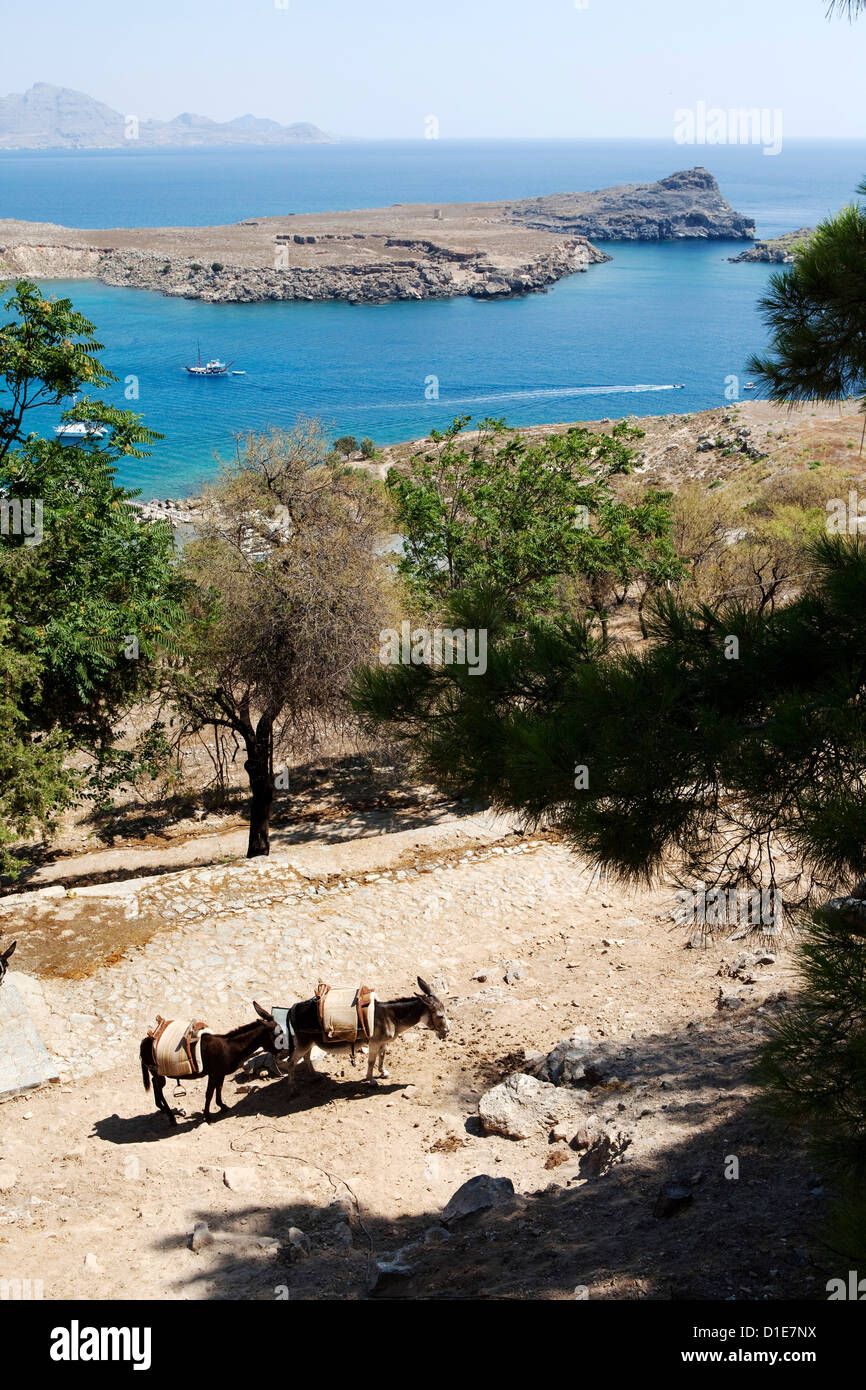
177	1046
346	1015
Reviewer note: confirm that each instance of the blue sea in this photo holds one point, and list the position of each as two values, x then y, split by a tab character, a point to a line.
610	342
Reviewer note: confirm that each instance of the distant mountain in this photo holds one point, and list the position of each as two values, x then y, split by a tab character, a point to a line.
58	118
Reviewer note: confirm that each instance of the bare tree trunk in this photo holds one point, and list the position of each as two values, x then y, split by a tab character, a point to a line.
259	769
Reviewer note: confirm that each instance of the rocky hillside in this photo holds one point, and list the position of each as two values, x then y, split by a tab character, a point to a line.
687	204
49	118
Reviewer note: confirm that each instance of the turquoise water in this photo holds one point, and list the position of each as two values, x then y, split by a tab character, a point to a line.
654	316
140	188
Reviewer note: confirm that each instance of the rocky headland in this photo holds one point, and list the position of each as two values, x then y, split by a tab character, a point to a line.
406	251
779	250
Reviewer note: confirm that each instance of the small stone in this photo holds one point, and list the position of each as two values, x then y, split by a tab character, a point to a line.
587	1134
8	1177
671	1198
602	1153
342	1234
239	1179
298	1240
201	1236
92	1265
436	1235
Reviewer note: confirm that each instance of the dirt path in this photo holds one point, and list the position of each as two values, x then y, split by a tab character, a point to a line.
98	1198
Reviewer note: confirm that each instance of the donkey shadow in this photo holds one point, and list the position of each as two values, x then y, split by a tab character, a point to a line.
275	1098
271	1100
147	1128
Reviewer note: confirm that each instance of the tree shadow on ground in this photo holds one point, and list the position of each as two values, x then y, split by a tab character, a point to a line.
319	827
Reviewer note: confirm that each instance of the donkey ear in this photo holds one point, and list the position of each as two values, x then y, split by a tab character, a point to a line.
425	988
7	953
263	1013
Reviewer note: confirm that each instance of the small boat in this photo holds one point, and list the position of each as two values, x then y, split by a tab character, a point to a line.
212	368
679	386
238	373
79	429
749	386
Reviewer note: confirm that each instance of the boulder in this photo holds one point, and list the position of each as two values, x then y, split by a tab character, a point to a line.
520	1106
478	1194
577	1062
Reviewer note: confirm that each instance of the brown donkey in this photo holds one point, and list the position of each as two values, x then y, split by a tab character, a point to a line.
220	1053
391	1018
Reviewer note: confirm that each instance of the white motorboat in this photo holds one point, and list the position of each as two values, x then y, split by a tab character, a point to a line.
79	429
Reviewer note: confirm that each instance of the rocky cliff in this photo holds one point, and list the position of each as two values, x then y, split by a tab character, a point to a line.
687	204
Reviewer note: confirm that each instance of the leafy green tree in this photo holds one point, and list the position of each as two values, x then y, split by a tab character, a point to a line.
34	784
90	591
368	448
498	512
346	445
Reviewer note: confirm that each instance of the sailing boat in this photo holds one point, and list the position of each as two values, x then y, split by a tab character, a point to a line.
213	368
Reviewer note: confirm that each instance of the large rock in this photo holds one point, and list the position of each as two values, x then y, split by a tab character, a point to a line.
478	1194
578	1062
520	1106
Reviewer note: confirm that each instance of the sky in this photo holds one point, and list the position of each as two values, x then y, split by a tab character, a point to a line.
373	69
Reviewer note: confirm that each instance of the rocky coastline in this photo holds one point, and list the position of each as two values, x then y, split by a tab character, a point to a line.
780	250
404	252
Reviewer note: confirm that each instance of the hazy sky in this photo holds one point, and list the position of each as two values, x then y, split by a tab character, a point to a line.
484	68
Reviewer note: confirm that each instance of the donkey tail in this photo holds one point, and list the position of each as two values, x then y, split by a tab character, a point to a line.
145	1074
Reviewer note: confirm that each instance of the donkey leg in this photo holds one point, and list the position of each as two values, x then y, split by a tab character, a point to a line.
159	1097
372	1056
300	1055
219	1095
382	1071
211	1087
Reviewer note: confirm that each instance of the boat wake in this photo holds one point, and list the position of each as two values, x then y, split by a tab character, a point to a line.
553	392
